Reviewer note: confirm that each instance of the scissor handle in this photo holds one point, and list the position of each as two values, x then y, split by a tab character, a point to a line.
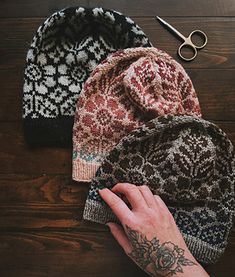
187	45
202	35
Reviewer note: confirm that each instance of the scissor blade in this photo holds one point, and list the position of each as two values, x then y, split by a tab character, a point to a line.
162	20
171	28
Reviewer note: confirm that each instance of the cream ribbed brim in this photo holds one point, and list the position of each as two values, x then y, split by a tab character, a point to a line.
84	171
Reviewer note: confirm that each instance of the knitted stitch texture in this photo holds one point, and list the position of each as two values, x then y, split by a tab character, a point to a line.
126	90
64	51
190	163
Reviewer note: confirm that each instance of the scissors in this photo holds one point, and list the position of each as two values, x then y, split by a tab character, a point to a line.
187	40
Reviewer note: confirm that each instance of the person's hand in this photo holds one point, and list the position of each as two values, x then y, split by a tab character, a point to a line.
149	235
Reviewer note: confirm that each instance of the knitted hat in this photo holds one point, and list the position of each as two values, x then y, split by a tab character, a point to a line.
190	163
129	88
64	51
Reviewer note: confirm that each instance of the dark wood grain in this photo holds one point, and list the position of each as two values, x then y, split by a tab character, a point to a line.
170	7
16	35
60	254
27	8
39	216
71	253
11	8
215	90
41	201
41	189
17	157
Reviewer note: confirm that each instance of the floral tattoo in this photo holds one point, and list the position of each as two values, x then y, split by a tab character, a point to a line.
165	259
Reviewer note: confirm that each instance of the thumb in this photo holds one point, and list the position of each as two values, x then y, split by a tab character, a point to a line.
119	234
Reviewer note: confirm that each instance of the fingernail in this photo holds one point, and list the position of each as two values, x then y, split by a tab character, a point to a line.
102	188
107	224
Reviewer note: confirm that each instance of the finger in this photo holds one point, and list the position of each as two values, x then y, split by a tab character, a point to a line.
148	196
164	209
132	193
116	204
160	202
120	236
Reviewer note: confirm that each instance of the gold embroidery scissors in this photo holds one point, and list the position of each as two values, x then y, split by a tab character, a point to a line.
187	40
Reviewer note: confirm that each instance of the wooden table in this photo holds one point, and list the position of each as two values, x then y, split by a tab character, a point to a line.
41	227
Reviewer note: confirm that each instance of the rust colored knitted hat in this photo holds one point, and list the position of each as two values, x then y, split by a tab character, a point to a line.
126	90
190	163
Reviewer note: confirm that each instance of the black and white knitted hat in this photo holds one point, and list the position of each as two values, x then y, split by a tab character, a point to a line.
189	162
64	51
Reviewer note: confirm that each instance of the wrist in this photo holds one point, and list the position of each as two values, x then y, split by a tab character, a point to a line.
188	267
193	271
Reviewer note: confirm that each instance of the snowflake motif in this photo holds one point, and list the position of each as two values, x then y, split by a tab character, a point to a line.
53	50
58	95
71	77
42	107
41	79
67	107
96	48
101	118
42	76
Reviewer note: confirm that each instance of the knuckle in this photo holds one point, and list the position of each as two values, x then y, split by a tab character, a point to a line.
132	186
158	197
132	189
118	184
143	187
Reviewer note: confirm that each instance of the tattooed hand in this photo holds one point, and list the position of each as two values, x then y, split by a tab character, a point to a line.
149	234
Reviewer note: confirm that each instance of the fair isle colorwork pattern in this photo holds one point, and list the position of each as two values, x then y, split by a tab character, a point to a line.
126	90
64	51
190	163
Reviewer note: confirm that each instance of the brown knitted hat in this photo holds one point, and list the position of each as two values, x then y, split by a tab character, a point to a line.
190	163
